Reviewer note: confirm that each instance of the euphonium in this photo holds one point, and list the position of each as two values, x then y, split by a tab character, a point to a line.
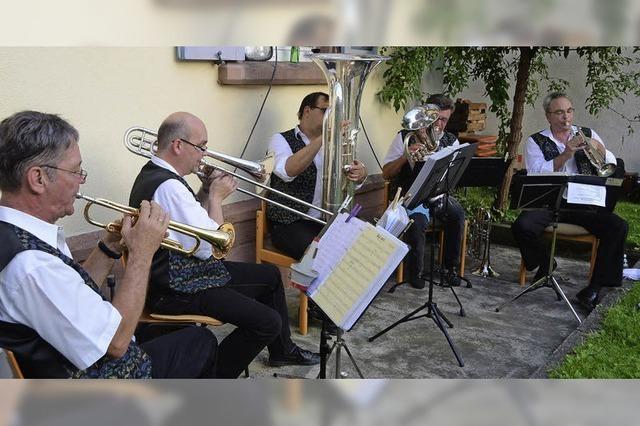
221	240
421	119
597	160
346	75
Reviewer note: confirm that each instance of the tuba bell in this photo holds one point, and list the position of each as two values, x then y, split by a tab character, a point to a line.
420	120
346	75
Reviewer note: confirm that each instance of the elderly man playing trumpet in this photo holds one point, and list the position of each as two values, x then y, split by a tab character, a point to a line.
397	169
559	149
247	295
52	314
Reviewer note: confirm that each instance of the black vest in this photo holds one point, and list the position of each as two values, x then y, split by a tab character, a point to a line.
550	151
37	358
302	187
173	272
407	175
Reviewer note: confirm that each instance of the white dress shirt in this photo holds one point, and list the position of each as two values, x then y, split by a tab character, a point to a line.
38	290
534	158
182	207
282	151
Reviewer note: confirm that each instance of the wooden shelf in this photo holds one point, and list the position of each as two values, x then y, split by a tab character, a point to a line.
260	73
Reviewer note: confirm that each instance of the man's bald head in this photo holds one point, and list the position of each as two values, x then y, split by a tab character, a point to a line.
178	125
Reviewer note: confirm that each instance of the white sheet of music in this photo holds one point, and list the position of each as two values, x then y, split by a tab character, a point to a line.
354	260
580	193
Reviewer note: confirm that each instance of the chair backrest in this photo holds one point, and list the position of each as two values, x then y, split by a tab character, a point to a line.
262	234
13	363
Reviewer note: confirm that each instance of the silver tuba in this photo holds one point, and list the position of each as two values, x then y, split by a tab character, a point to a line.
346	75
421	119
597	160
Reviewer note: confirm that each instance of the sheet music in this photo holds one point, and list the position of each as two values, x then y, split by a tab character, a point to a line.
354	261
580	193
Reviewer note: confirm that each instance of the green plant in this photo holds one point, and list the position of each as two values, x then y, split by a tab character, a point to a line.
611	352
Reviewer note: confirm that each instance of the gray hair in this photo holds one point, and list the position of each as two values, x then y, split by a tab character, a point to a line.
552	97
170	130
443	102
28	139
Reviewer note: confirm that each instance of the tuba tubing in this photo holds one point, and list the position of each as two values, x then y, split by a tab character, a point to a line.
141	141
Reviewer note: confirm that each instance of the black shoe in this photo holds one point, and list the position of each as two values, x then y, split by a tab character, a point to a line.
543	271
297	356
451	279
588	297
417	283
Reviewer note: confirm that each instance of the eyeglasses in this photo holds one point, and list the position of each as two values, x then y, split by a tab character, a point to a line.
201	148
321	109
561	112
82	173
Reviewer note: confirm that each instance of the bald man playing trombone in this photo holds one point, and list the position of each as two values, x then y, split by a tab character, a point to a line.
52	313
249	296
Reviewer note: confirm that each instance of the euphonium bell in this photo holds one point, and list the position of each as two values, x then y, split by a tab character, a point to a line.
221	240
421	119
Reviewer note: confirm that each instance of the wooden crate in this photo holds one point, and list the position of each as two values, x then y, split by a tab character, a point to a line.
468	117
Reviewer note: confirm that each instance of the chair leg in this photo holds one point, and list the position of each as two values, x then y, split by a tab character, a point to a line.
463	248
302	314
522	276
594	252
400	273
440	251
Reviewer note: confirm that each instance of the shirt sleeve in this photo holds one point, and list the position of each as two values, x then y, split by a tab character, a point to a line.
281	151
51	298
176	199
395	151
534	159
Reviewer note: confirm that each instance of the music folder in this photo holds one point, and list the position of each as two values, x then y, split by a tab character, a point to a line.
354	260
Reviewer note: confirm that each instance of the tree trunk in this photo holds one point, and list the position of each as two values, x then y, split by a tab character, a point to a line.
515	130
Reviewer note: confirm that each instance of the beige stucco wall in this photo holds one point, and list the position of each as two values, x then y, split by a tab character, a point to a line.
104	91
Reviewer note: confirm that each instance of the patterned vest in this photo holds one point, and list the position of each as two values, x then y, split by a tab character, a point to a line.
173	272
302	187
37	358
407	175
550	151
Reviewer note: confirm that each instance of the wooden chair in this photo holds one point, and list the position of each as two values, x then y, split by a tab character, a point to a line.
13	364
265	252
463	246
568	232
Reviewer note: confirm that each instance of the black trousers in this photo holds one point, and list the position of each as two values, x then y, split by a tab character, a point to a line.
608	227
416	236
294	238
253	301
184	354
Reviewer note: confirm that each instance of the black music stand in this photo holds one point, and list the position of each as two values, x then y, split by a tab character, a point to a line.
436	178
541	193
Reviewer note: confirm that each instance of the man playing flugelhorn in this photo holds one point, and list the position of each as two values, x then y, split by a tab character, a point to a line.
53	316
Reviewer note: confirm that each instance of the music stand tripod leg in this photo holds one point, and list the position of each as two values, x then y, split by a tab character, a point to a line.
435	315
558	290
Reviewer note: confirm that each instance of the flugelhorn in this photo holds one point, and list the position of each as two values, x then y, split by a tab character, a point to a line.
415	120
221	240
597	160
142	141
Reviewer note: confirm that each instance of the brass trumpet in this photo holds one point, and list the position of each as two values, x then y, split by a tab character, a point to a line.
221	240
597	160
